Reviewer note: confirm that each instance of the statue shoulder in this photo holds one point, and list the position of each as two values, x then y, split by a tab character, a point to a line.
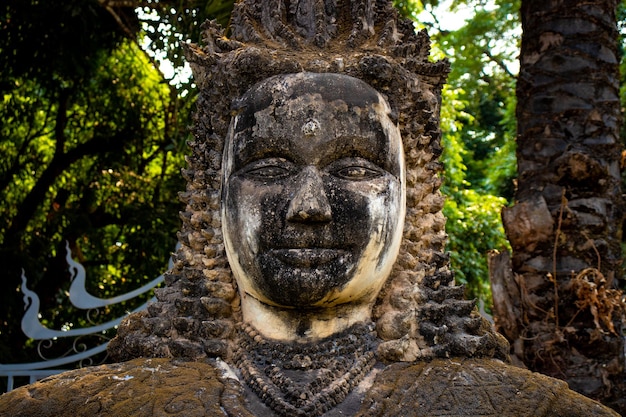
451	387
473	387
137	387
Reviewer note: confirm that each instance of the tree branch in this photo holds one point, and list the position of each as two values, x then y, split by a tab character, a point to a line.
59	163
498	62
17	164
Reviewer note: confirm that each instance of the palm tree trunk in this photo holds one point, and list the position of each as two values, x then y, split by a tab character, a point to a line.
559	307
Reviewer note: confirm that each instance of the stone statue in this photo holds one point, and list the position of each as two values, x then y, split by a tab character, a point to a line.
312	204
312	278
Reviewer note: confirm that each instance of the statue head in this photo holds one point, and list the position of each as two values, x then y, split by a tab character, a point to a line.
313	192
300	201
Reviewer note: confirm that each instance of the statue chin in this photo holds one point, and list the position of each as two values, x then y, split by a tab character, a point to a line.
301	278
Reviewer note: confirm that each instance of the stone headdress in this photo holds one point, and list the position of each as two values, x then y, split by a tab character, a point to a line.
420	313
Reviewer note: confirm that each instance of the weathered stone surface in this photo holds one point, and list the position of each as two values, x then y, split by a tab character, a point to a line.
326	140
473	387
362	39
165	387
138	388
296	285
313	203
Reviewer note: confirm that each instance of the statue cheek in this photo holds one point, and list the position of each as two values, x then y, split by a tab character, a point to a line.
261	214
244	215
392	215
249	225
375	202
385	213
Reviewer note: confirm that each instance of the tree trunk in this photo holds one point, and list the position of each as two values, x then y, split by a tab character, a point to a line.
559	307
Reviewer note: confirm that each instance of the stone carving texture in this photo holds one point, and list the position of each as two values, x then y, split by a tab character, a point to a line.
161	387
419	316
330	369
419	312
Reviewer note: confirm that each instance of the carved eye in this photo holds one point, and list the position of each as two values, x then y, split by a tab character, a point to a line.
268	169
356	169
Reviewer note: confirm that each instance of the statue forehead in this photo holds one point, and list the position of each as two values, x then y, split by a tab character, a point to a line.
342	91
287	111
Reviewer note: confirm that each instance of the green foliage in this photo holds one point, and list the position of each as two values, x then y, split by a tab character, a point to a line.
478	126
483	53
474	228
473	223
93	135
38	39
97	165
93	138
409	8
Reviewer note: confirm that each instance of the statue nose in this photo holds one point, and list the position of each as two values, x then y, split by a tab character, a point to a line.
309	204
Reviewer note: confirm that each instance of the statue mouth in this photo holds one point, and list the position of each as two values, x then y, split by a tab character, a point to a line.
310	257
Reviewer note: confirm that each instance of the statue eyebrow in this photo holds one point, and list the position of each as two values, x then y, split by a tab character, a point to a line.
253	151
370	147
355	146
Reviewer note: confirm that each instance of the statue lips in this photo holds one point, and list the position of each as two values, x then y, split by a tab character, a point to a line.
310	257
311	246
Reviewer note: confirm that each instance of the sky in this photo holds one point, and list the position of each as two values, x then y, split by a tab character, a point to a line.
447	19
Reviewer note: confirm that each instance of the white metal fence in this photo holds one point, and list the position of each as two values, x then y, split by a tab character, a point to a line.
87	345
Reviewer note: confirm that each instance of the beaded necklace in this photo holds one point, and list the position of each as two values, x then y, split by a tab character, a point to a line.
296	379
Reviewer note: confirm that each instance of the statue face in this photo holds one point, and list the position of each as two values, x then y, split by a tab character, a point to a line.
313	191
